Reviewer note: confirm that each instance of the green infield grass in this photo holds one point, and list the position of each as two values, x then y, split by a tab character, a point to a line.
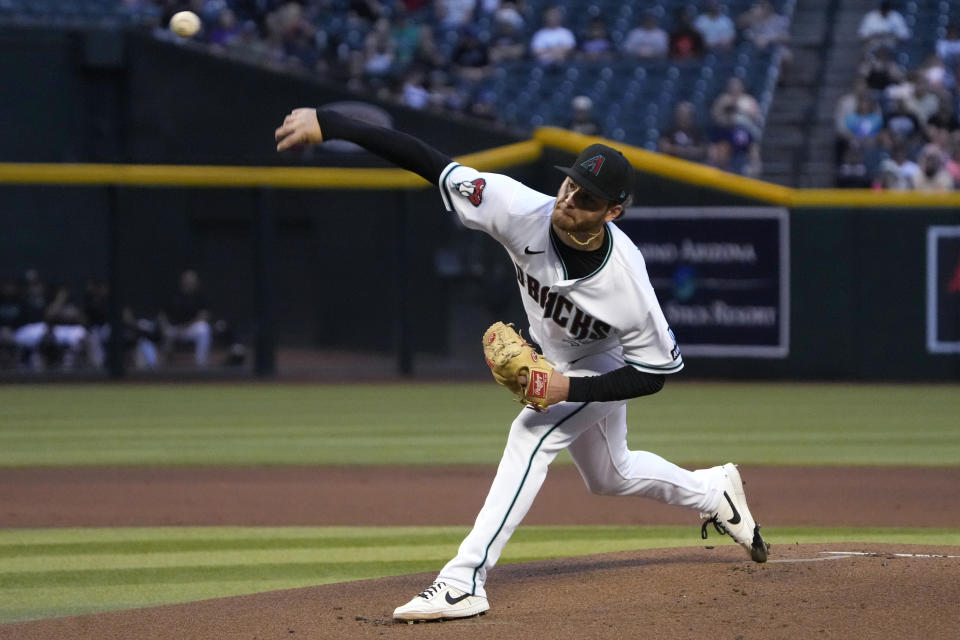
392	423
55	572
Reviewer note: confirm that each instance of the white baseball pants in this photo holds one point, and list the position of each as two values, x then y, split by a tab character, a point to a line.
596	435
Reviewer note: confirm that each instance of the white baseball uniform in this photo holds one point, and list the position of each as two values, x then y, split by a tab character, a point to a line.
587	326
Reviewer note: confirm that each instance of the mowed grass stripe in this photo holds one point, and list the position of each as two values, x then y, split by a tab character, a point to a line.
253	424
111	582
264	542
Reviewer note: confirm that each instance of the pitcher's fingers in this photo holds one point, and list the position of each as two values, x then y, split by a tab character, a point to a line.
288	141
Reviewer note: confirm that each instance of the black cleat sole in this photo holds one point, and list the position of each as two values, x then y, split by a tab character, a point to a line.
758	548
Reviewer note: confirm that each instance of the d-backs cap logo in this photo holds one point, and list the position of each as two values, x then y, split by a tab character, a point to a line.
472	190
593	164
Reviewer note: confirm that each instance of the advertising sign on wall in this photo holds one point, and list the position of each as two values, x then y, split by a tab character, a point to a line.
722	276
943	289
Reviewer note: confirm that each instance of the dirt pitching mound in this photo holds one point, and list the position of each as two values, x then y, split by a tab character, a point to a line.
667	593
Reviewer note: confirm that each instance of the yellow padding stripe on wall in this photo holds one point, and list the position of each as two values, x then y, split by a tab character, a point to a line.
488	160
278	177
703	176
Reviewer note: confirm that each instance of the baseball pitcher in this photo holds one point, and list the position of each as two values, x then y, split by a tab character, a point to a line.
592	310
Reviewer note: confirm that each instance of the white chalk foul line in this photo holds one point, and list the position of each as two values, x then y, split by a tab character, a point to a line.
806	559
874	554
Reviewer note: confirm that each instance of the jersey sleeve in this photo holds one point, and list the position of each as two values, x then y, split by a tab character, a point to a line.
486	201
648	342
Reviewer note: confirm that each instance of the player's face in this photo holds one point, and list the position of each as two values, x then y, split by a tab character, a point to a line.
577	209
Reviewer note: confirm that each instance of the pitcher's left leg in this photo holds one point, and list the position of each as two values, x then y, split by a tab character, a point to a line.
608	467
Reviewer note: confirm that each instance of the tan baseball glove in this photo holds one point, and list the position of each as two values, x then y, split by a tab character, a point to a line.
508	356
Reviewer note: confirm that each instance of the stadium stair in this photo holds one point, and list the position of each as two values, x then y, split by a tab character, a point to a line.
791	114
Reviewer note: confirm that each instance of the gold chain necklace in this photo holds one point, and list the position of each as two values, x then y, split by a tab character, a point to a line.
588	241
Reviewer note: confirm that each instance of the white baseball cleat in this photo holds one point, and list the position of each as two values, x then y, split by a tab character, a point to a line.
733	517
440	601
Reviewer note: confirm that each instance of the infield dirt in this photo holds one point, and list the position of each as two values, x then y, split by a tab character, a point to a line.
695	592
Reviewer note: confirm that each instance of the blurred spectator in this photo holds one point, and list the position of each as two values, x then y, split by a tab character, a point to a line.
647	40
453	14
921	100
685	41
369	10
763	26
470	57
510	12
96	309
716	27
596	45
745	109
880	70
865	122
939	77
379	50
953	162
948	47
186	319
943	123
736	126
933	175
846	105
414	91
582	120
901	127
54	337
428	54
553	43
889	179
853	172
406	36
882	27
684	138
227	29
138	337
906	169
506	43
484	105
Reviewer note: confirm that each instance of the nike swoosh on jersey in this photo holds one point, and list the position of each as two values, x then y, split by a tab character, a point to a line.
531	253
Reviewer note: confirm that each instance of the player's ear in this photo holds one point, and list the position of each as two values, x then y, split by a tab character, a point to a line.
613	213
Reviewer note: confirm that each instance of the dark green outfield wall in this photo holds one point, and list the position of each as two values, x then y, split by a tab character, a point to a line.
858	299
344	260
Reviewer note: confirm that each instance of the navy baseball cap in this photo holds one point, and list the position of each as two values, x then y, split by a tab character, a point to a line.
603	171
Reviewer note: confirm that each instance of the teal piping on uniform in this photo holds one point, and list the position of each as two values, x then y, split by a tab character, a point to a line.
660	367
486	551
556	249
447	202
606	258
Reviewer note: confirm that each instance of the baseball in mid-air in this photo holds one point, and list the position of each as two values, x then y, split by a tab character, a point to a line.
185	23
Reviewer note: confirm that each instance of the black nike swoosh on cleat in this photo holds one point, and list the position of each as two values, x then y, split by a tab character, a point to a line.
531	253
455	600
736	514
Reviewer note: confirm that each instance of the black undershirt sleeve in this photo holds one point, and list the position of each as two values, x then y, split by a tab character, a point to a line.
620	384
412	154
402	149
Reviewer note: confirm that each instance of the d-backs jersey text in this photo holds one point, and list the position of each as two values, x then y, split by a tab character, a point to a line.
614	307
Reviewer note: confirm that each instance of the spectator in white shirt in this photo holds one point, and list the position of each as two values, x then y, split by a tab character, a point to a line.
647	40
716	27
883	27
553	43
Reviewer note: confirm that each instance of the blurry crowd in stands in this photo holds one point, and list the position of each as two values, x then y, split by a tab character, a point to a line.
46	327
898	128
437	54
